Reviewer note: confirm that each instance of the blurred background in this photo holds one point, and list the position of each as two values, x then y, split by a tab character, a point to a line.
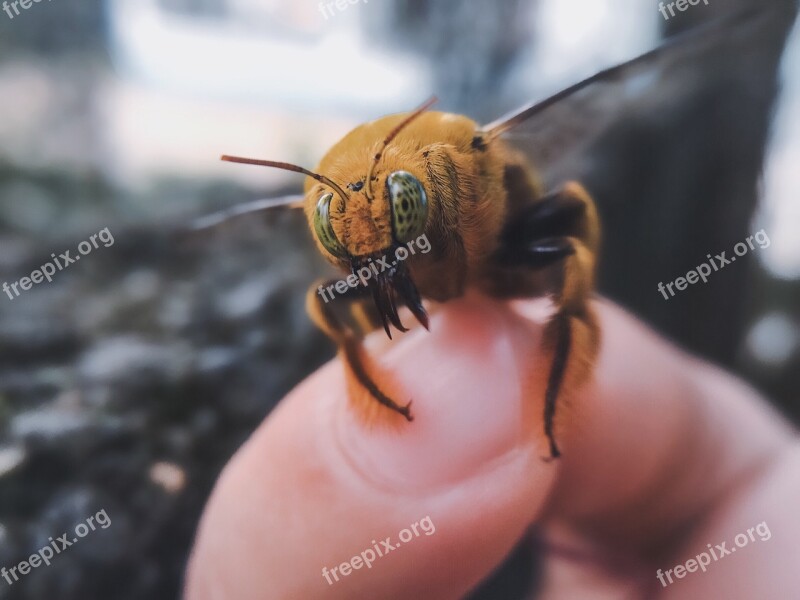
128	381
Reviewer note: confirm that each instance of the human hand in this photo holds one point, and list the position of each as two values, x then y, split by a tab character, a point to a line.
662	456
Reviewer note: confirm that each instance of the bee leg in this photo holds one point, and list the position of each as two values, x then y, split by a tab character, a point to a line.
561	227
322	314
568	211
572	335
537	255
352	354
365	317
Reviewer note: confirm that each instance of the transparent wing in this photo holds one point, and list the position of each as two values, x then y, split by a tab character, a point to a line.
556	133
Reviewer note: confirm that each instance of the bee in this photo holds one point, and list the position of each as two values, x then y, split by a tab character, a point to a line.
494	223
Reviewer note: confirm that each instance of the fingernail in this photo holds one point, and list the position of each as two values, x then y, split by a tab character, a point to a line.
466	380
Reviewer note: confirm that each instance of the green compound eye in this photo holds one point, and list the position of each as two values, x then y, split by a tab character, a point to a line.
409	205
323	229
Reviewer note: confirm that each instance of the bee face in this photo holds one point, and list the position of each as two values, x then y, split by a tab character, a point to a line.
361	230
357	227
350	228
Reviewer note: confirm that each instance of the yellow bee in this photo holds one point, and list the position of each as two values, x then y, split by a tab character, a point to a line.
480	204
490	226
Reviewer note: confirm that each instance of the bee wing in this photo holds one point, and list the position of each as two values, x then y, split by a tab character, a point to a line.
248	208
555	133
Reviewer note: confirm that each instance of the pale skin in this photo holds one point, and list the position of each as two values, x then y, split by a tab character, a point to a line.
662	455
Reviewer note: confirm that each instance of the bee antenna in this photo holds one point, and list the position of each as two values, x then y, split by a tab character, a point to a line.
286	167
393	134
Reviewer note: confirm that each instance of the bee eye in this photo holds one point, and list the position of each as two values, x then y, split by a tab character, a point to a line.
323	229
409	205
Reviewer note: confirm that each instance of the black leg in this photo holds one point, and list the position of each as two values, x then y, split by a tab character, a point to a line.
563	334
556	214
536	255
562	229
351	354
323	315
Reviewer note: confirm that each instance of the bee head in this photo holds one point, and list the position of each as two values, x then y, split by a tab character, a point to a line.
363	234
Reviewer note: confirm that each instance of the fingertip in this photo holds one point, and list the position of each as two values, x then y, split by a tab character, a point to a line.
313	485
466	380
